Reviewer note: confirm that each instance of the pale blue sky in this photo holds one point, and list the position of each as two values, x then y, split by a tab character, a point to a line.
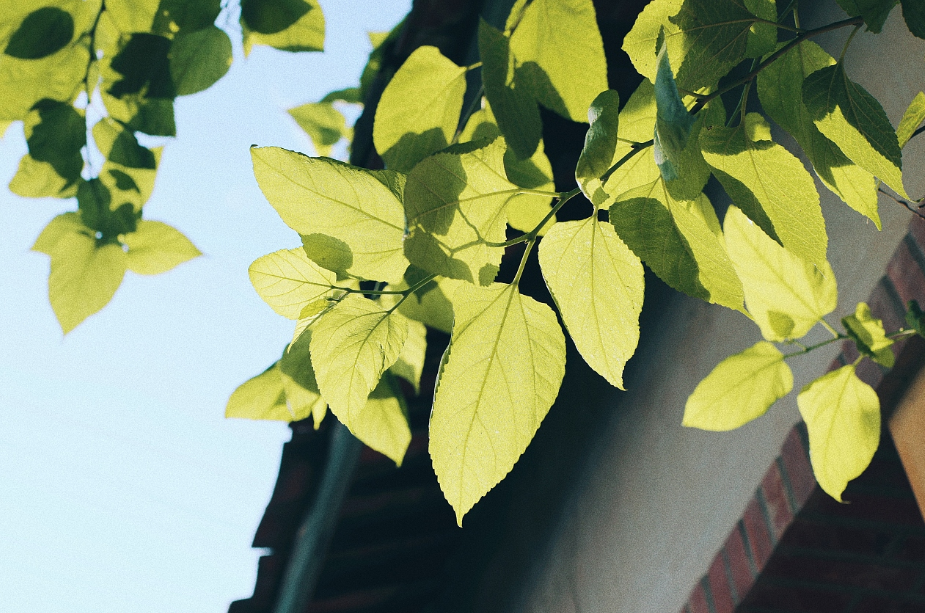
124	489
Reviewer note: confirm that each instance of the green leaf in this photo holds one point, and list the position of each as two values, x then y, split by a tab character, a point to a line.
763	36
741	388
298	378
59	227
351	346
261	397
380	42
176	17
874	12
914	14
43	32
23	83
410	363
432	303
601	138
511	100
288	281
155	248
912	118
382	424
785	294
673	124
499	377
714	38
351	95
84	277
419	109
323	123
288	25
560	55
653	25
915	318
526	211
780	90
141	68
34	179
97	211
867	333
771	186
199	59
855	121
597	283
56	133
842	415
678	241
132	15
455	203
350	204
637	124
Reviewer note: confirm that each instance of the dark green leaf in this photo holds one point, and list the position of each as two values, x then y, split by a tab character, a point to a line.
182	16
512	103
97	210
288	25
272	16
915	317
914	14
199	59
55	133
673	123
144	67
374	63
601	138
874	12
349	94
42	33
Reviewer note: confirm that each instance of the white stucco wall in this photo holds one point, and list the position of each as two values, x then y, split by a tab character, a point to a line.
658	500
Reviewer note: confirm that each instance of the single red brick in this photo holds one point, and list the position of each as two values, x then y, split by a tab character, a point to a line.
917	232
776	501
759	537
797	471
885	305
697	603
723	601
740	567
907	277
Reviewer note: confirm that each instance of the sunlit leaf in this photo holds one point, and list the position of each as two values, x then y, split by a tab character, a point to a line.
912	118
98	212
432	303
288	281
199	59
771	186
59	227
842	415
560	54
154	248
601	138
419	109
261	397
382	423
323	196
410	363
652	26
855	121
455	203
498	380
23	83
303	398
525	211
780	91
132	15
785	295
869	336
351	346
84	277
324	124
741	388
597	283
288	25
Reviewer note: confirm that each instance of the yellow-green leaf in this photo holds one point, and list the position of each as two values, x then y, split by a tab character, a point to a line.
842	415
350	204
560	53
298	380
601	138
741	388
324	124
261	397
912	118
455	202
432	303
855	121
410	363
132	15
526	211
154	248
597	283
785	294
288	281
59	227
288	25
419	109
869	336
382	423
500	375
653	24
84	277
351	346
771	186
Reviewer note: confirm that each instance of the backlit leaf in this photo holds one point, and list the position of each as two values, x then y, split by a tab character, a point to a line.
874	12
525	211
298	378
455	202
842	415
652	26
432	303
780	91
59	227
512	102
597	283
741	388
382	423
410	363
419	109
43	32
601	138
323	196
84	277
199	59
288	281
499	377
25	82
637	124
785	294
288	25
677	240
868	334
560	53
855	121
673	124
261	397
182	16
912	119
324	124
351	346
771	186
132	15
154	248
